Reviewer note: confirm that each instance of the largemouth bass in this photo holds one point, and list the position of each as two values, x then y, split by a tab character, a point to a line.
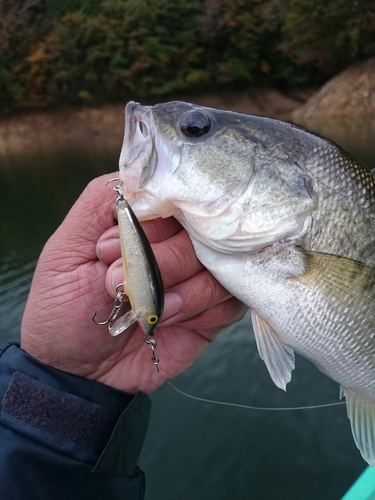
284	219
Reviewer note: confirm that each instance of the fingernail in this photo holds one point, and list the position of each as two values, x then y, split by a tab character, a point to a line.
172	305
106	248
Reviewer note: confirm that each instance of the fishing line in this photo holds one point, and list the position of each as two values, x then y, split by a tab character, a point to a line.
248	407
152	344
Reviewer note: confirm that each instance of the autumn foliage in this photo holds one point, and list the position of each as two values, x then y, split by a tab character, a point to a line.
92	51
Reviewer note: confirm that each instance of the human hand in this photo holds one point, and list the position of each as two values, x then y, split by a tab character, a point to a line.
77	273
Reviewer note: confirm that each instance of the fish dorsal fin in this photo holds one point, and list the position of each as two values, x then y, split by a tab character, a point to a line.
361	413
278	357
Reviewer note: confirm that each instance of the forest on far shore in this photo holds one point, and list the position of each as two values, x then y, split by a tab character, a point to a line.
54	52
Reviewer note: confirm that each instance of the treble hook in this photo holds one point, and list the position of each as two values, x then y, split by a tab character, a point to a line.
117	305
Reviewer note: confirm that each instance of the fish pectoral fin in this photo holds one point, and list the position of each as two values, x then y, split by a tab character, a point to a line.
123	322
278	357
361	413
349	281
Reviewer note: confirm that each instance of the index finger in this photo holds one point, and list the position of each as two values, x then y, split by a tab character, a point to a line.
94	209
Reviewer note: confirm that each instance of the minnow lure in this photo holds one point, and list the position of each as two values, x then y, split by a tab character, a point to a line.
142	279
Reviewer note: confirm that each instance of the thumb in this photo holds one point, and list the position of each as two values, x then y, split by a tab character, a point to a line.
87	220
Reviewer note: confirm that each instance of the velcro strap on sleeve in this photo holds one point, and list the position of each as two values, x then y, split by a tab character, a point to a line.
56	415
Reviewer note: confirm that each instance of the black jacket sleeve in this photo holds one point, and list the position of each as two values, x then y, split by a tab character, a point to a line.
64	437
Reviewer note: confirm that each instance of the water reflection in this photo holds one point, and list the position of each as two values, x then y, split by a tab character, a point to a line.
36	192
195	450
16	271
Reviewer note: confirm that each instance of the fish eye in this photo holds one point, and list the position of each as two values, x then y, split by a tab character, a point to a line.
195	124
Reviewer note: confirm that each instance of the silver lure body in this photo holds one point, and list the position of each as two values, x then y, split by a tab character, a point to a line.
142	281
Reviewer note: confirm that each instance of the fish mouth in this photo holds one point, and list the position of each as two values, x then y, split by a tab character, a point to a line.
140	172
138	158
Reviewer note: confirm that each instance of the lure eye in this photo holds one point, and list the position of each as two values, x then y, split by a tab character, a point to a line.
195	124
152	319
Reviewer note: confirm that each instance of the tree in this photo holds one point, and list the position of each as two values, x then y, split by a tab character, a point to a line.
329	34
16	34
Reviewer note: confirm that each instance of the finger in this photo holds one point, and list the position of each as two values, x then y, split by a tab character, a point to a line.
176	259
199	293
183	300
216	318
108	246
158	230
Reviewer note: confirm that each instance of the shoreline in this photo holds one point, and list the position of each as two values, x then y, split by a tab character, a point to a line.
44	130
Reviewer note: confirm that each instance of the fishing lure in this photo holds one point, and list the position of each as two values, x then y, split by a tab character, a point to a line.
142	279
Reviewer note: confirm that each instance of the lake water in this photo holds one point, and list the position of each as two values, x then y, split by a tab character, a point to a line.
195	450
